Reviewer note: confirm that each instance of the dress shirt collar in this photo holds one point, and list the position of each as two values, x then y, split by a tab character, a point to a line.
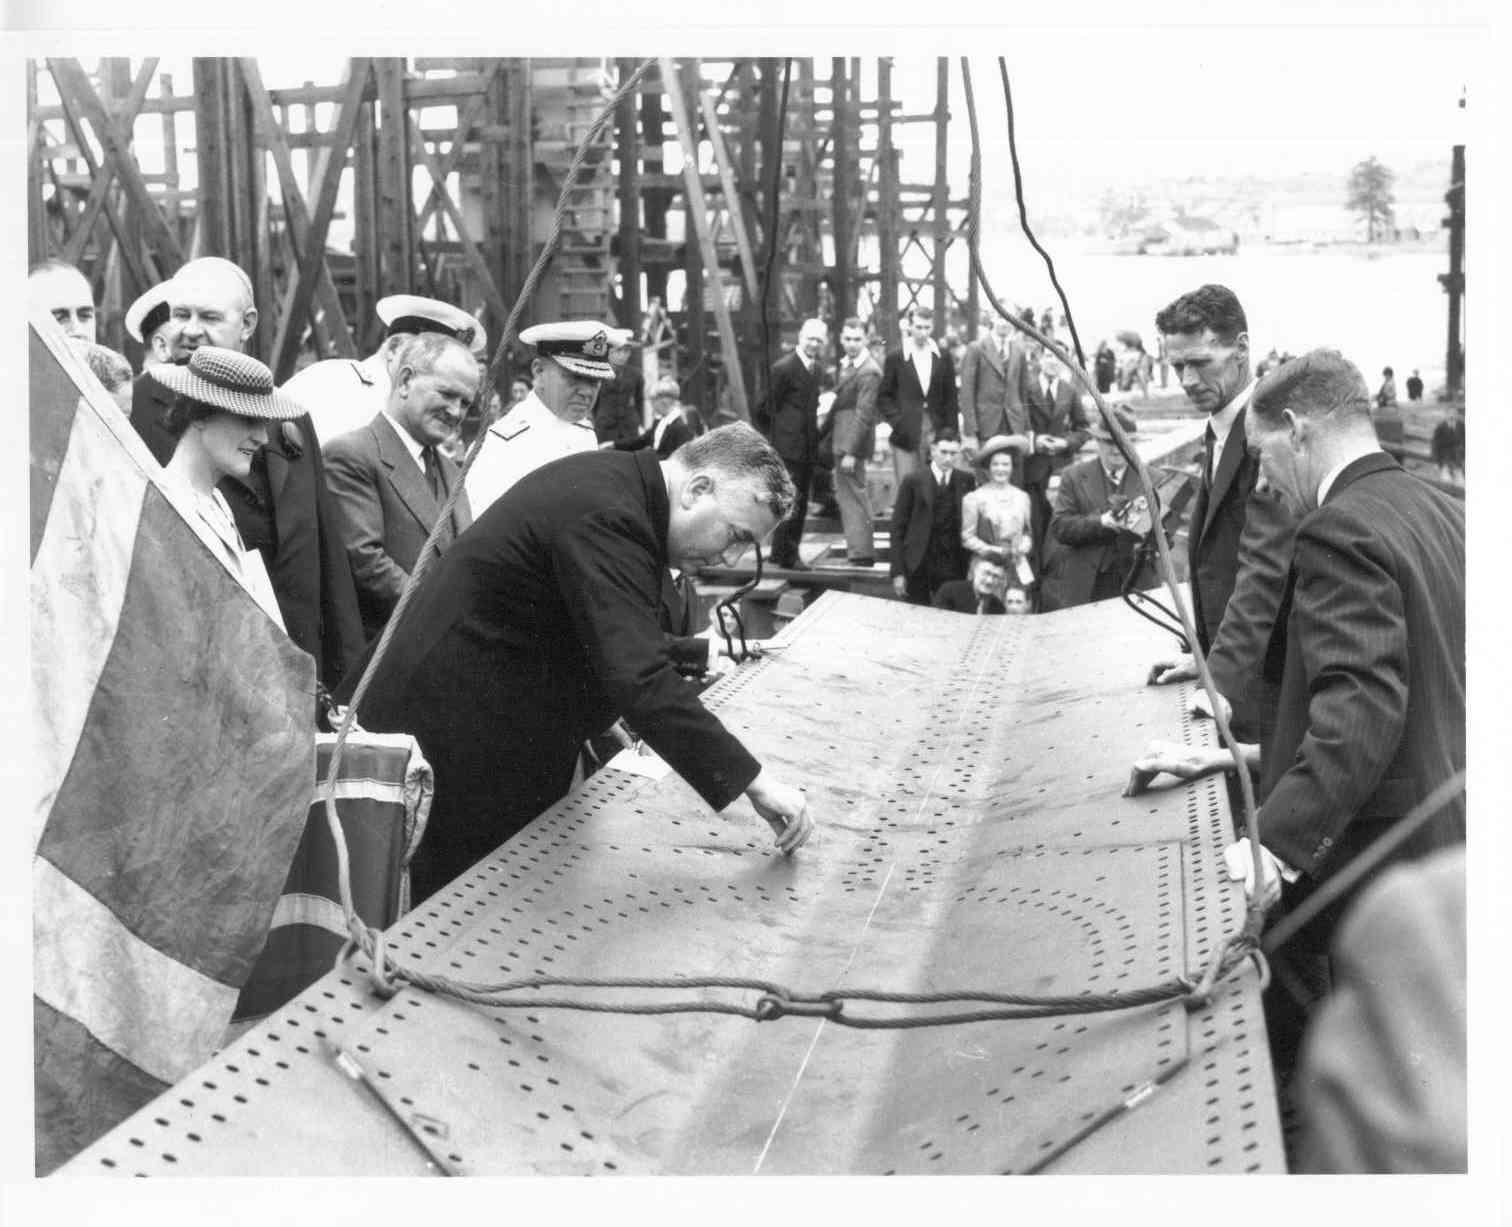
918	351
1222	421
1114	476
942	476
1332	475
411	444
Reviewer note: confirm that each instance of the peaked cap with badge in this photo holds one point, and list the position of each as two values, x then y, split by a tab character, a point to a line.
581	346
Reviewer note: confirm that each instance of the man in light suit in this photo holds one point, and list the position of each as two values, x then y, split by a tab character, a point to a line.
926	551
1058	427
853	427
389	478
1238	540
917	398
789	419
992	387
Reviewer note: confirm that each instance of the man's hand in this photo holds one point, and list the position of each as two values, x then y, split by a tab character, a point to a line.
1164	672
850	464
785	810
1183	761
1049	444
1202	709
1240	861
900	585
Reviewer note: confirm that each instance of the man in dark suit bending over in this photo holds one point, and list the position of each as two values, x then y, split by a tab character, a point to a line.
545	621
1372	690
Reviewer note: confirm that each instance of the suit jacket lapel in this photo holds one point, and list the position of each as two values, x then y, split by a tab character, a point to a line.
461	516
990	353
1228	465
403	473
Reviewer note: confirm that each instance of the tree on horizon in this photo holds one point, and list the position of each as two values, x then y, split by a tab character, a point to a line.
1371	195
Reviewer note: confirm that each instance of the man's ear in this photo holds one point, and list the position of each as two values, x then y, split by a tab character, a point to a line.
1242	345
249	322
696	487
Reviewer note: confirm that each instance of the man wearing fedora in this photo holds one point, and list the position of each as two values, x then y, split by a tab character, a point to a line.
282	506
1093	527
571	365
1058	427
343	394
389	478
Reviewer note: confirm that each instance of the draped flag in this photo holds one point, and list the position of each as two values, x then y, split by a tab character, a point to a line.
383	796
173	746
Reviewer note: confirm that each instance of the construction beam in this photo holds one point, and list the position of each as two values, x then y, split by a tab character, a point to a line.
296	213
470	251
940	223
395	217
698	215
297	299
627	151
38	237
125	117
73	84
654	200
844	173
467	119
887	209
137	260
731	195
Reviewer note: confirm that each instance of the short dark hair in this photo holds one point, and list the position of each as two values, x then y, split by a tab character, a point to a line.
738	451
1322	383
1209	306
182	411
947	434
853	321
922	313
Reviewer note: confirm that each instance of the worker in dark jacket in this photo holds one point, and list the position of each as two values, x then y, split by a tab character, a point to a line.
544	622
789	419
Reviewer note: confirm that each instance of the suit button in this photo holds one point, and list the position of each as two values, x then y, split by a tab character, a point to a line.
1327	843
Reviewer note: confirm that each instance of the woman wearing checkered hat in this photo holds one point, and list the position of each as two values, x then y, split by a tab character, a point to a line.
222	404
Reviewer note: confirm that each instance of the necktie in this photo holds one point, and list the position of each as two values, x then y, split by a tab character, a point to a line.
433	473
1050	391
1210	439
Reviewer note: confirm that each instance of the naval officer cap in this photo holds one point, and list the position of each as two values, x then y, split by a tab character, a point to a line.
149	313
412	313
581	346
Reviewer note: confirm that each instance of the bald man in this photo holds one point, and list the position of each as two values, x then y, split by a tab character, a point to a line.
283	508
63	292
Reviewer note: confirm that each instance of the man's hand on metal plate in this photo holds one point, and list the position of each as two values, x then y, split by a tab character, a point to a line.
900	585
1164	672
1174	758
786	810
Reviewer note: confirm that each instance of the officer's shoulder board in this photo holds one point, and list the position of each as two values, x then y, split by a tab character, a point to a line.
583	425
514	432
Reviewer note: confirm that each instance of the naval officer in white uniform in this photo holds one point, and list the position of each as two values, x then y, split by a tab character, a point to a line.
343	395
556	418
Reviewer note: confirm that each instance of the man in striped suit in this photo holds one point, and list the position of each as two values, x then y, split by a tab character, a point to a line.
1370	642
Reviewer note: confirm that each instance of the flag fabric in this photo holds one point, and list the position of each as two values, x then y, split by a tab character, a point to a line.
173	751
383	796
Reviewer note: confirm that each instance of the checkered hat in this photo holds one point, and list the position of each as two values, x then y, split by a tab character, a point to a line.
225	379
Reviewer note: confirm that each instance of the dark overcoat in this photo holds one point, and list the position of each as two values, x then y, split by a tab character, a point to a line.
543	623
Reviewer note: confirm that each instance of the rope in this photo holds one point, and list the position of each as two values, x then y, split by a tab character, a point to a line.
1147	485
774	1000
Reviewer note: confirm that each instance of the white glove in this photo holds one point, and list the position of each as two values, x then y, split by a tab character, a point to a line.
1241	868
